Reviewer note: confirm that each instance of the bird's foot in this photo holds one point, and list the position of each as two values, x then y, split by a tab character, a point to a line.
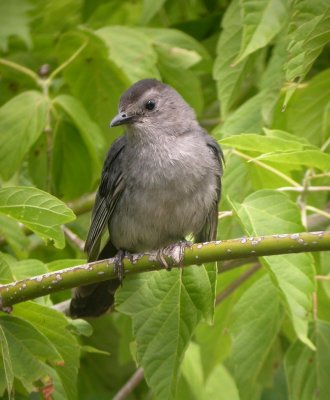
173	251
119	264
5	309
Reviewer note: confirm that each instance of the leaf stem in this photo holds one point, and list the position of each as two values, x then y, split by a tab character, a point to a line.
198	253
24	70
67	62
268	167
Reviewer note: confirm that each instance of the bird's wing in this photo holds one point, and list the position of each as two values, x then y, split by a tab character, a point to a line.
209	230
110	189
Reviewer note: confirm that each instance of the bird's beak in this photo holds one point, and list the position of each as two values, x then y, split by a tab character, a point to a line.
120	119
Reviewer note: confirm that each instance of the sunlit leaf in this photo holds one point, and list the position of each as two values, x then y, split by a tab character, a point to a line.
165	309
293	274
37	210
262	20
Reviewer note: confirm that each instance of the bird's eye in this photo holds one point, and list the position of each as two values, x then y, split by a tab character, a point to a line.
150	105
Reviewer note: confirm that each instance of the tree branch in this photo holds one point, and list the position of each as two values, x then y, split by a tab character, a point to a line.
102	270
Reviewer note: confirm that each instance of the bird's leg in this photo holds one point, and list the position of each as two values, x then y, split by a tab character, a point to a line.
174	251
119	264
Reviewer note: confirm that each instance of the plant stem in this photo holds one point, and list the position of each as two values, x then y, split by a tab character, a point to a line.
198	253
26	71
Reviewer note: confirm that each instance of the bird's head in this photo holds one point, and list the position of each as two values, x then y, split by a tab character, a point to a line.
150	105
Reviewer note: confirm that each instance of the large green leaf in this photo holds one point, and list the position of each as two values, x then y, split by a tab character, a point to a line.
56	331
263	144
165	309
22	120
262	21
270	212
92	77
308	371
37	210
89	130
220	385
28	349
75	168
306	110
306	44
14	21
256	321
230	78
131	50
307	158
247	118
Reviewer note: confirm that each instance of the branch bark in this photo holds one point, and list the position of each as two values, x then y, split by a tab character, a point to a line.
199	253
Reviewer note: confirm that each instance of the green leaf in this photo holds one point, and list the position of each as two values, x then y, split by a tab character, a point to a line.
89	130
131	50
263	144
307	42
262	21
281	214
7	364
192	371
28	350
273	78
220	385
6	275
230	78
306	158
150	8
307	370
27	268
22	120
92	77
165	309
75	168
255	326
293	274
14	21
37	210
66	344
304	114
184	81
14	235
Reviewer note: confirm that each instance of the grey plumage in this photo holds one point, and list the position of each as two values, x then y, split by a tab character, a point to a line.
160	182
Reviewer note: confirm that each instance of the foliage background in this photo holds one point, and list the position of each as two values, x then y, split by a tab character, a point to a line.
257	75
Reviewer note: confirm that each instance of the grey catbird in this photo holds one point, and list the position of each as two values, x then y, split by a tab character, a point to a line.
160	182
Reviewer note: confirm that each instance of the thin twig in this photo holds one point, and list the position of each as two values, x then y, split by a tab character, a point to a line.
302	189
235	284
130	385
75	239
318	211
68	61
224	214
322	277
26	71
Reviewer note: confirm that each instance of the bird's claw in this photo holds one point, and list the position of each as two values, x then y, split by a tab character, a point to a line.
119	264
174	251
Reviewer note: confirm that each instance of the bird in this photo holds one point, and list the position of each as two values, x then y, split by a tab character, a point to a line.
161	181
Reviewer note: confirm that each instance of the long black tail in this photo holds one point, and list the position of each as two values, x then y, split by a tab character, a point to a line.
95	299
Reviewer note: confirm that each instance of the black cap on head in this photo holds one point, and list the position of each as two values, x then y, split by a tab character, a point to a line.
133	94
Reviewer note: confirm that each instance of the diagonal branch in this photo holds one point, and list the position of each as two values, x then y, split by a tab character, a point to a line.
199	253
